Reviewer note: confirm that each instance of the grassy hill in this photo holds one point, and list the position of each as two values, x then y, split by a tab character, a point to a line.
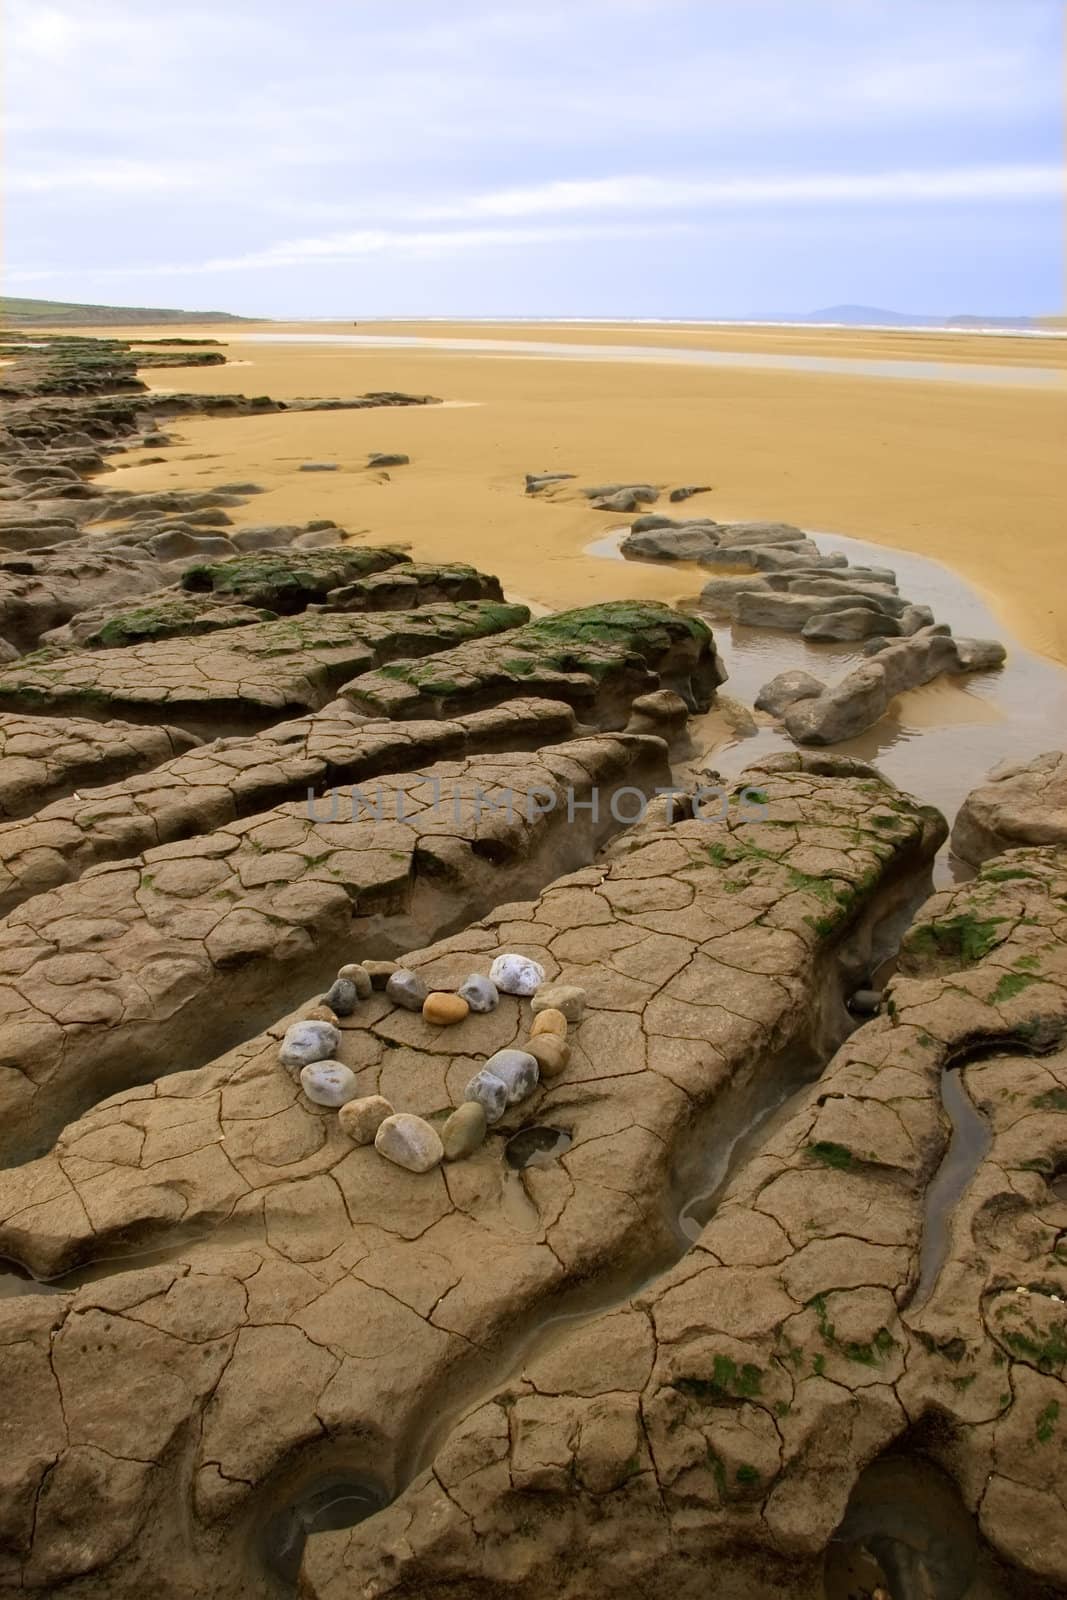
16	312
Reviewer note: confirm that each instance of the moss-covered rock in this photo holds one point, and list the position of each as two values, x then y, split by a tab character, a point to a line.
596	658
286	581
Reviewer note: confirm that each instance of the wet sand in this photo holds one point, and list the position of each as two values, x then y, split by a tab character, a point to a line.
971	475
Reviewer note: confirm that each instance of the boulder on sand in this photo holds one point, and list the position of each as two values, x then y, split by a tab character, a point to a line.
1018	804
858	701
850	626
688	543
785	689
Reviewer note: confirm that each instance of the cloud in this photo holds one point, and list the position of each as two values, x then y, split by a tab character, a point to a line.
637	193
339	249
116	177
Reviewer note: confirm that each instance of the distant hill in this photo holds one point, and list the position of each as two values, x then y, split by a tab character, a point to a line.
15	312
878	317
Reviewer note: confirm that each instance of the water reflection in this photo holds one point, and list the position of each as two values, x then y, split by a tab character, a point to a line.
1012	377
937	742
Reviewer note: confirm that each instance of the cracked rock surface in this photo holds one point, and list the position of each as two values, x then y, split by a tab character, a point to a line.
248	676
723	1415
144	965
326	1293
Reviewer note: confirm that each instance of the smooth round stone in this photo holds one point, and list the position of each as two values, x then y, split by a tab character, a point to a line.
359	976
380	971
328	1083
406	989
481	994
444	1009
514	974
865	1002
565	997
319	1013
490	1092
308	1041
517	1070
549	1021
342	997
464	1131
360	1119
550	1052
409	1142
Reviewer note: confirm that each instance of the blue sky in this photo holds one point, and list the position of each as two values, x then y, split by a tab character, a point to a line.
501	157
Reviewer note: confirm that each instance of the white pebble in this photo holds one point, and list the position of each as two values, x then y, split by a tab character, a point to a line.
305	1042
517	1070
515	974
490	1092
481	994
329	1083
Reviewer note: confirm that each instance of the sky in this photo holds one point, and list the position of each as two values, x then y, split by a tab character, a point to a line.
600	158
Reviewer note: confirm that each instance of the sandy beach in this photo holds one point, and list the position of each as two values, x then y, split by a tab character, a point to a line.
968	474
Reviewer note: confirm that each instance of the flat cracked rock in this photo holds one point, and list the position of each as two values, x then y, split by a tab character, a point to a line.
248	676
312	1286
44	757
146	965
844	1294
221	781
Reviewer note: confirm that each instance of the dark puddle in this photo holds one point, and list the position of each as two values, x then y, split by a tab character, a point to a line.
536	1147
967	1148
907	1535
743	1124
15	1280
336	1500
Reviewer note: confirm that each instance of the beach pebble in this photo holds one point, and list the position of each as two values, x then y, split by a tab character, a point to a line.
342	997
865	1002
409	1142
357	974
481	994
514	974
464	1131
490	1092
380	971
548	1021
550	1052
443	1009
328	1083
308	1041
362	1118
406	989
320	1013
517	1071
565	997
